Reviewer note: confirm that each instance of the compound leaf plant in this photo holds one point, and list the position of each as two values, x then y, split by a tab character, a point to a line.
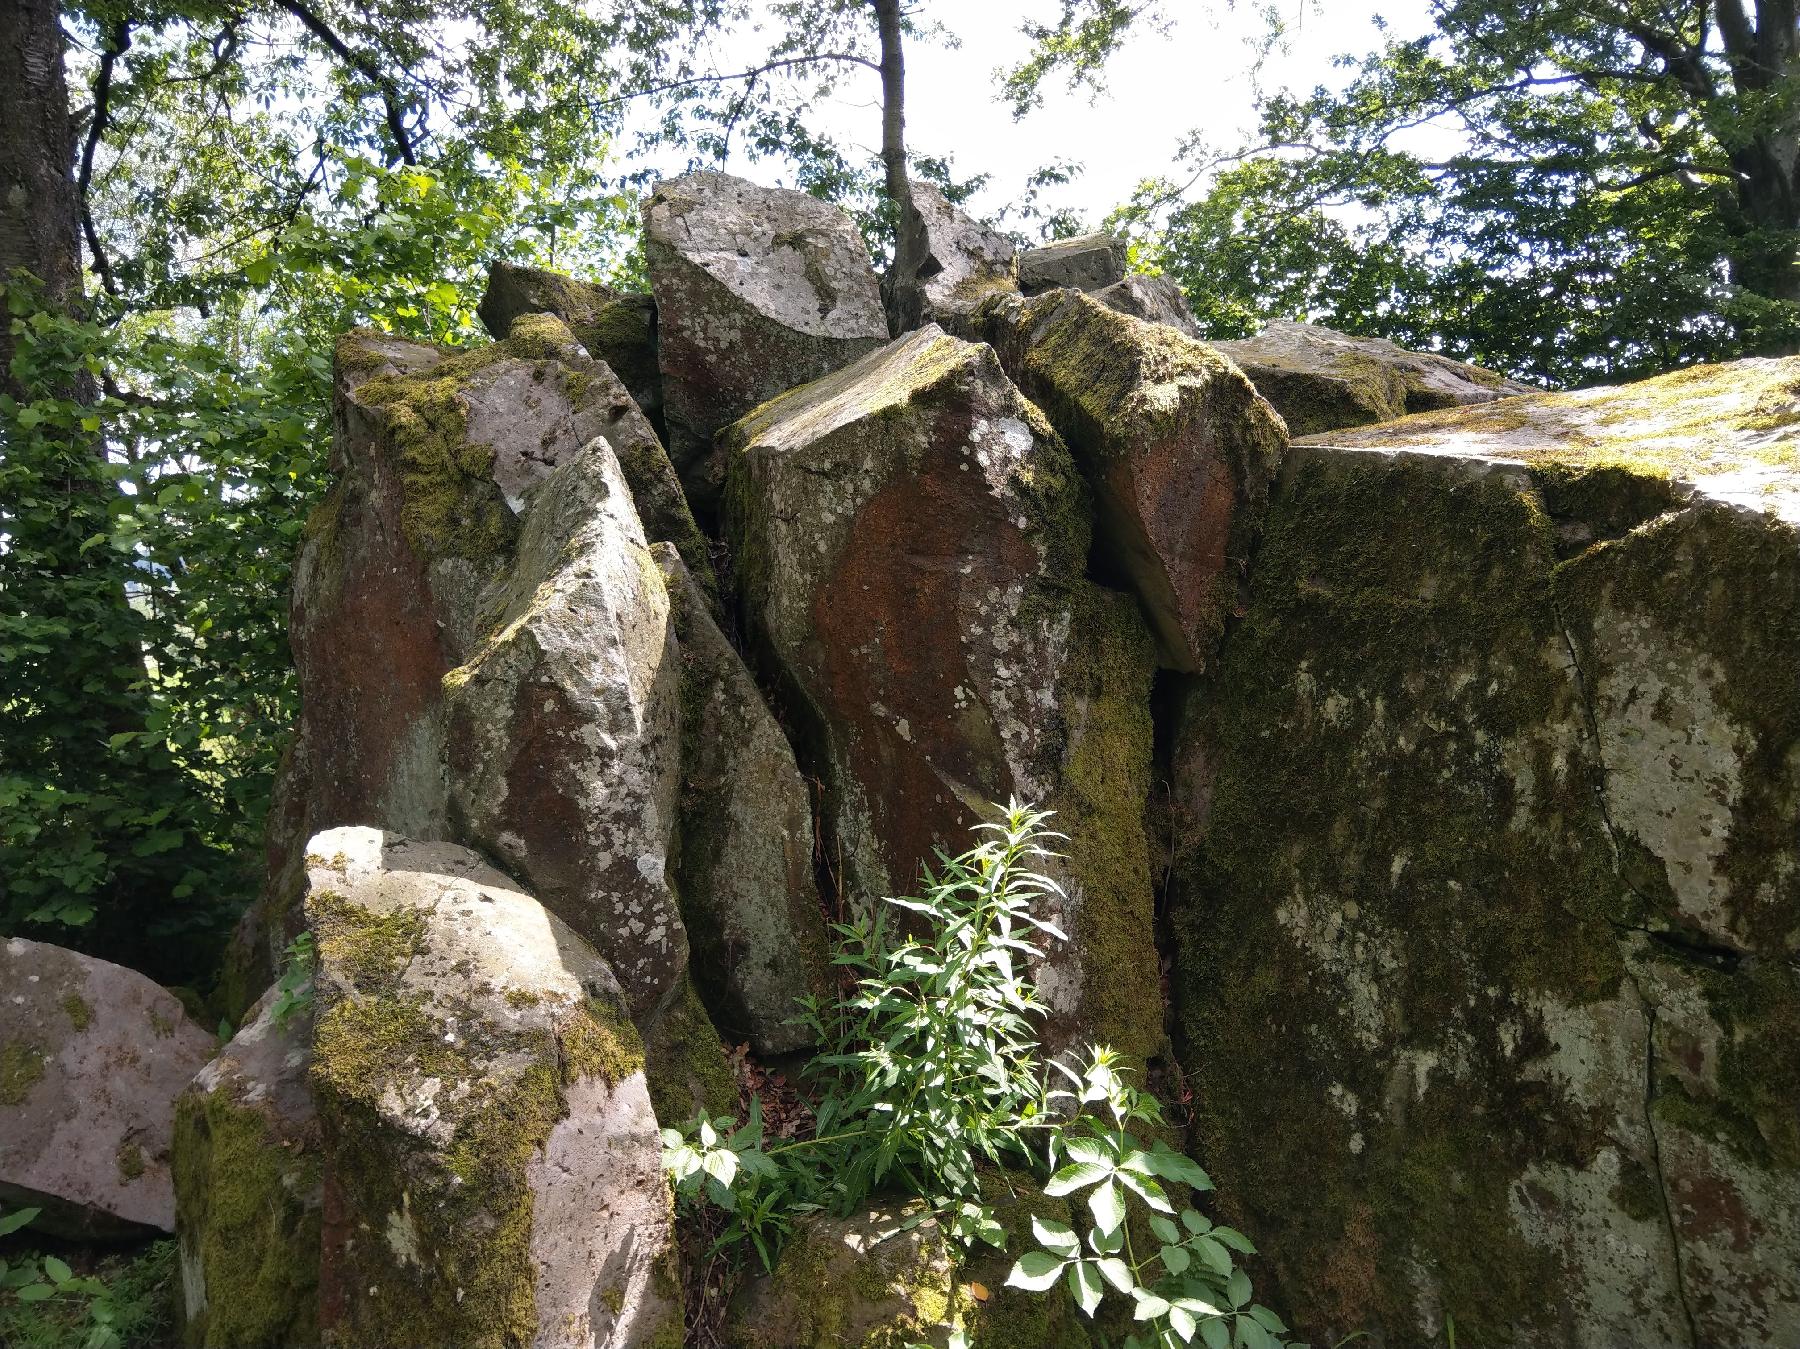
931	1076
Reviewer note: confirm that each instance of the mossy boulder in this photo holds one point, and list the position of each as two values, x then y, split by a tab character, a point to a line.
249	1188
911	538
1486	858
615	327
1085	262
492	1171
880	1279
565	726
1174	441
744	864
960	263
1320	379
758	289
92	1057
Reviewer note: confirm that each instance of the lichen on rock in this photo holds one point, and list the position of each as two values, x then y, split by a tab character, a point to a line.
491	1159
911	538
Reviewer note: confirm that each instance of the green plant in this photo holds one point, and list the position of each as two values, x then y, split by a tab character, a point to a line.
44	1304
294	990
931	1072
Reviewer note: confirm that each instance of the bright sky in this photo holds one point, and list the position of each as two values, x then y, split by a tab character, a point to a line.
1160	87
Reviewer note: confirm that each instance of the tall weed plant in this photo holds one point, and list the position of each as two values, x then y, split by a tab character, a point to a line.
932	1075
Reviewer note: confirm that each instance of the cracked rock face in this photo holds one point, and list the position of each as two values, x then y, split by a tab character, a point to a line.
745	870
92	1057
1485	818
910	538
564	727
491	1163
1322	380
758	289
1175	442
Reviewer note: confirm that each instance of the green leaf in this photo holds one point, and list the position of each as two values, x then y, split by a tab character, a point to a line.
57	1270
1254	1336
35	1292
1164	1229
1107	1206
1149	1305
1175	1259
1084	1284
12	1222
1237	1288
1077	1176
1181	1322
1116	1272
1055	1236
1035	1271
1215	1333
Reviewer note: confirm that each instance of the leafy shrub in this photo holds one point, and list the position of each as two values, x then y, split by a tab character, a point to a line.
931	1072
45	1304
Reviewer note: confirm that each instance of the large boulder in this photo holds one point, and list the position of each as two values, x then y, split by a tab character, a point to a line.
1155	299
249	1185
1085	262
491	1163
1487	854
960	263
565	726
758	289
1174	441
1323	380
745	864
911	539
615	327
92	1057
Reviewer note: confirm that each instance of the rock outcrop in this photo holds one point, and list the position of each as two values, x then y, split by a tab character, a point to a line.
1086	262
1488	830
745	867
565	727
1323	380
617	328
249	1186
1174	441
757	290
491	1163
1155	299
92	1057
961	263
911	539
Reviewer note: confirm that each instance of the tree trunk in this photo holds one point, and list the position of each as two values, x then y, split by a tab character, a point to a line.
900	286
1765	258
40	225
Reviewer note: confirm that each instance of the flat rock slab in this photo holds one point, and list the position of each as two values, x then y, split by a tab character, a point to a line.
758	289
1320	379
92	1057
1086	262
1174	441
911	539
492	1164
1730	432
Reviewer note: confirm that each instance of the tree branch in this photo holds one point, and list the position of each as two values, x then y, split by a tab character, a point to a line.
693	80
118	38
363	63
